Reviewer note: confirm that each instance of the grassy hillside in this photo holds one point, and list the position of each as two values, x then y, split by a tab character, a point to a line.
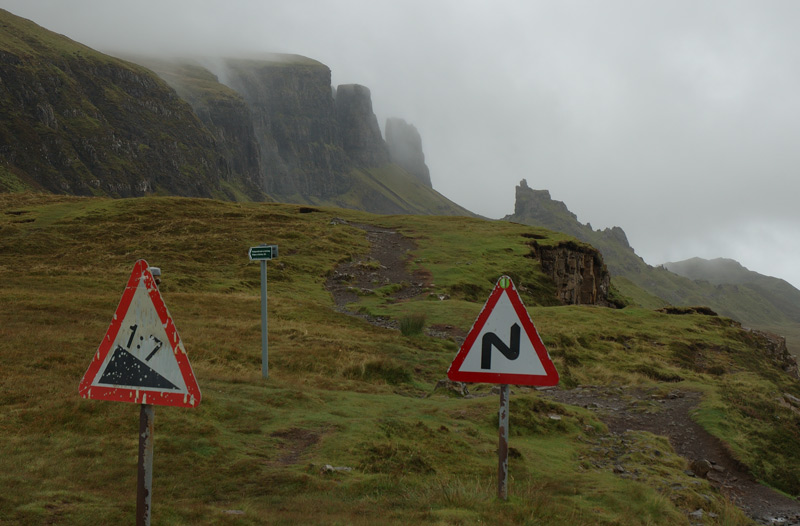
343	392
75	121
390	187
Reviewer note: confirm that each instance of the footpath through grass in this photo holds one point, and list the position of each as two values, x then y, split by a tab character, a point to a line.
341	393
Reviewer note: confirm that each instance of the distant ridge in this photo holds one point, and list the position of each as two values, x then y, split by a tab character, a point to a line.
721	271
757	301
716	271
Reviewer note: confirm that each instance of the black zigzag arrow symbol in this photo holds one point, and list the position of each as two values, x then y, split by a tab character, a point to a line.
490	340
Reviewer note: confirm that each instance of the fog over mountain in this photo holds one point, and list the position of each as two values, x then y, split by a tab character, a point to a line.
673	120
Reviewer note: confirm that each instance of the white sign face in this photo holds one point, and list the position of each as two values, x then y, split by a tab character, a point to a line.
519	357
141	355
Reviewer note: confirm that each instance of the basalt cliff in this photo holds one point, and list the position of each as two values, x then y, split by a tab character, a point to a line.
77	121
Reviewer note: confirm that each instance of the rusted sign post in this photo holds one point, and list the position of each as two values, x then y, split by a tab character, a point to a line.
522	358
264	253
502	449
141	359
144	485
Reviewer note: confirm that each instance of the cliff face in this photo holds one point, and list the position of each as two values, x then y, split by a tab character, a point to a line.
323	146
405	148
80	122
294	119
578	272
360	133
76	121
226	115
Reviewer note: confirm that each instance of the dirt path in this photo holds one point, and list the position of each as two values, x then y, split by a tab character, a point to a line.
635	409
621	409
385	264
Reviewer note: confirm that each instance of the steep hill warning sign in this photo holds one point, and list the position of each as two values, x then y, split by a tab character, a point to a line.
141	359
503	346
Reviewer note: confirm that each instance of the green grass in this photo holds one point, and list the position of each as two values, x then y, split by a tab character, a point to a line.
389	188
412	325
341	392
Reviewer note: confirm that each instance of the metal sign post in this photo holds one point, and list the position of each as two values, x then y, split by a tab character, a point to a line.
142	360
502	449
263	253
144	486
503	347
264	331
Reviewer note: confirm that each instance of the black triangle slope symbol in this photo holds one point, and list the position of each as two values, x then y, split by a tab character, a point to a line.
126	369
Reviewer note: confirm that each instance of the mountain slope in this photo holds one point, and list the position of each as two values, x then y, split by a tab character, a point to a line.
80	122
755	300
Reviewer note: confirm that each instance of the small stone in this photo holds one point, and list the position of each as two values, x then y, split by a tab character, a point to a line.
701	467
457	388
327	468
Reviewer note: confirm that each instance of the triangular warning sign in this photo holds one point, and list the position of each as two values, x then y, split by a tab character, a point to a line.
503	346
141	358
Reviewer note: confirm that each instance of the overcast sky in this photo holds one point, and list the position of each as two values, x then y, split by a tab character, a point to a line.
677	121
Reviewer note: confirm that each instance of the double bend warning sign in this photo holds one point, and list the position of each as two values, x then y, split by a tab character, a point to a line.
503	346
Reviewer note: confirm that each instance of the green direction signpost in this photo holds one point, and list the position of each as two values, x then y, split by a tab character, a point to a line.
263	253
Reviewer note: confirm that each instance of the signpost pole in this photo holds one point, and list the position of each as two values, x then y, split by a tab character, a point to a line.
502	450
264	338
144	488
263	253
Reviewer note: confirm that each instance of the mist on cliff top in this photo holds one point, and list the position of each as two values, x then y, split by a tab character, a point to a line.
677	121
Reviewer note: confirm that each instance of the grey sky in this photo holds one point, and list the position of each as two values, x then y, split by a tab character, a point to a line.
676	121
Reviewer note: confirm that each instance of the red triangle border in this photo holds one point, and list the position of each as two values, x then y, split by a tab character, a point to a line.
550	378
141	271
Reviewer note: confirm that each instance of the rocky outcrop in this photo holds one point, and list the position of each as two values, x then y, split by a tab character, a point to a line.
774	347
537	205
538	208
578	272
405	148
726	287
360	134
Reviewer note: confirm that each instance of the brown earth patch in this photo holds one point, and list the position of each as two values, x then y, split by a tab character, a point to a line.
295	442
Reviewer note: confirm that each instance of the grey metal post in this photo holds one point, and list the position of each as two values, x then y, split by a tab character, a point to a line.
144	489
264	339
502	450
